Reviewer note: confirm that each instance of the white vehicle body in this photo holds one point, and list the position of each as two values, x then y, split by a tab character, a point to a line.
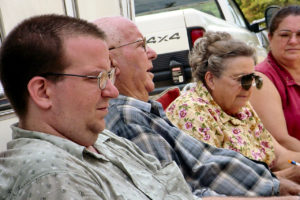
13	12
169	33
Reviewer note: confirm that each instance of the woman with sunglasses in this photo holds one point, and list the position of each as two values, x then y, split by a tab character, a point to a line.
216	110
278	103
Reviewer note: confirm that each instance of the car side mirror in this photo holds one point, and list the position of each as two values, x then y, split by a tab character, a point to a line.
255	25
269	12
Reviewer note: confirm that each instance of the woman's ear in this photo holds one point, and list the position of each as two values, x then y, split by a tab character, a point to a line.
269	36
209	80
38	89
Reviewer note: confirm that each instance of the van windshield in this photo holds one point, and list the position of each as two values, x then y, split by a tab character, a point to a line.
145	7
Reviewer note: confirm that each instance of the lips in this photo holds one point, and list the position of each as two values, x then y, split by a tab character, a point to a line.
243	96
103	107
151	75
293	49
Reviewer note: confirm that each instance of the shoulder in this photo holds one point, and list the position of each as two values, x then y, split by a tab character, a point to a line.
189	101
129	120
123	107
269	68
40	156
273	88
24	164
263	66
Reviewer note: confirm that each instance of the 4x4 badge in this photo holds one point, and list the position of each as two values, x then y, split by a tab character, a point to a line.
166	38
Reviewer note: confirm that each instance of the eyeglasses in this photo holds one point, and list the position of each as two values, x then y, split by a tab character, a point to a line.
144	44
102	77
247	81
286	35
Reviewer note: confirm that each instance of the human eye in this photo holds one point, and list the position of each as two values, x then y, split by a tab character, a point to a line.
143	44
285	34
92	78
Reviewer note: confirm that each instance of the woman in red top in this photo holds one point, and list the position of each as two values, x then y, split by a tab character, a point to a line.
278	102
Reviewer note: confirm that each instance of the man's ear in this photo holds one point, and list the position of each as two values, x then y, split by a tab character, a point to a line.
114	63
209	80
38	88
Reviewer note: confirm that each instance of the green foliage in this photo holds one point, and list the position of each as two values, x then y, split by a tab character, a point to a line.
255	9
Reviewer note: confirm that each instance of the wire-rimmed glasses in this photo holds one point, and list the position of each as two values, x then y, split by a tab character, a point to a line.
102	77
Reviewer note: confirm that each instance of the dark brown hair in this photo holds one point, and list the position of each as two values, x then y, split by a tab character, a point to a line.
35	47
280	15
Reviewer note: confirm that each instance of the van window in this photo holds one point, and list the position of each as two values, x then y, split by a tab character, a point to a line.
144	7
236	14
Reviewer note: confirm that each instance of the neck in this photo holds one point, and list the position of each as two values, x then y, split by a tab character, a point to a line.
39	126
139	96
294	69
92	149
36	120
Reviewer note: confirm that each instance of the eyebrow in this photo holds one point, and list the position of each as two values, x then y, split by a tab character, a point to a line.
95	72
284	30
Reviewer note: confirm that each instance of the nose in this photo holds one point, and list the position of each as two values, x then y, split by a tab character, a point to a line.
110	91
293	38
152	55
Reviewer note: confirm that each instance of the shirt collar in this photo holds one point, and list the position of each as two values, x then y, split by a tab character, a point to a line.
151	106
124	100
216	110
287	77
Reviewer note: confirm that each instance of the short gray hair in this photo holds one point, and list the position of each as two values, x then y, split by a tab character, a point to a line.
212	49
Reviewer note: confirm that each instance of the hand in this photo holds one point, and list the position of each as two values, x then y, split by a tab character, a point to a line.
292	173
288	187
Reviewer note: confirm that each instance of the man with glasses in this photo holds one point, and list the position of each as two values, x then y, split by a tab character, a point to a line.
208	170
57	74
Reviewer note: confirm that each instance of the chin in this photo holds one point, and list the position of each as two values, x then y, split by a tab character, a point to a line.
150	87
235	110
97	128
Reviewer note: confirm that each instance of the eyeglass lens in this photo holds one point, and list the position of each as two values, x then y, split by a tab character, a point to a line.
287	35
104	76
145	44
246	81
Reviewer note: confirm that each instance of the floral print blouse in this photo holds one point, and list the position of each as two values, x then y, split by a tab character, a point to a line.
196	113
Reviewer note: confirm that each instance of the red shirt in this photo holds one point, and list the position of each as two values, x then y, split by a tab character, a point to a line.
289	92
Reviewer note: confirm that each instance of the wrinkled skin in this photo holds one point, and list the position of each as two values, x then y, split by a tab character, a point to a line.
287	186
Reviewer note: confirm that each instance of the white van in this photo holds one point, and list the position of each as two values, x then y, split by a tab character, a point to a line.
172	26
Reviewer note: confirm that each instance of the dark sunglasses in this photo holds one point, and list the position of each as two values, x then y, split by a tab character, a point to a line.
247	81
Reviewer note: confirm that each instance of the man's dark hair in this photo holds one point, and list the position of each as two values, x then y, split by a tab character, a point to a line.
35	47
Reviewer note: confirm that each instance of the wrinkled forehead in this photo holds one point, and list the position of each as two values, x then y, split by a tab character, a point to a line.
129	32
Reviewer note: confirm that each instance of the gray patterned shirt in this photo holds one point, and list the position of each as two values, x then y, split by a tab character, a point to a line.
42	166
210	171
